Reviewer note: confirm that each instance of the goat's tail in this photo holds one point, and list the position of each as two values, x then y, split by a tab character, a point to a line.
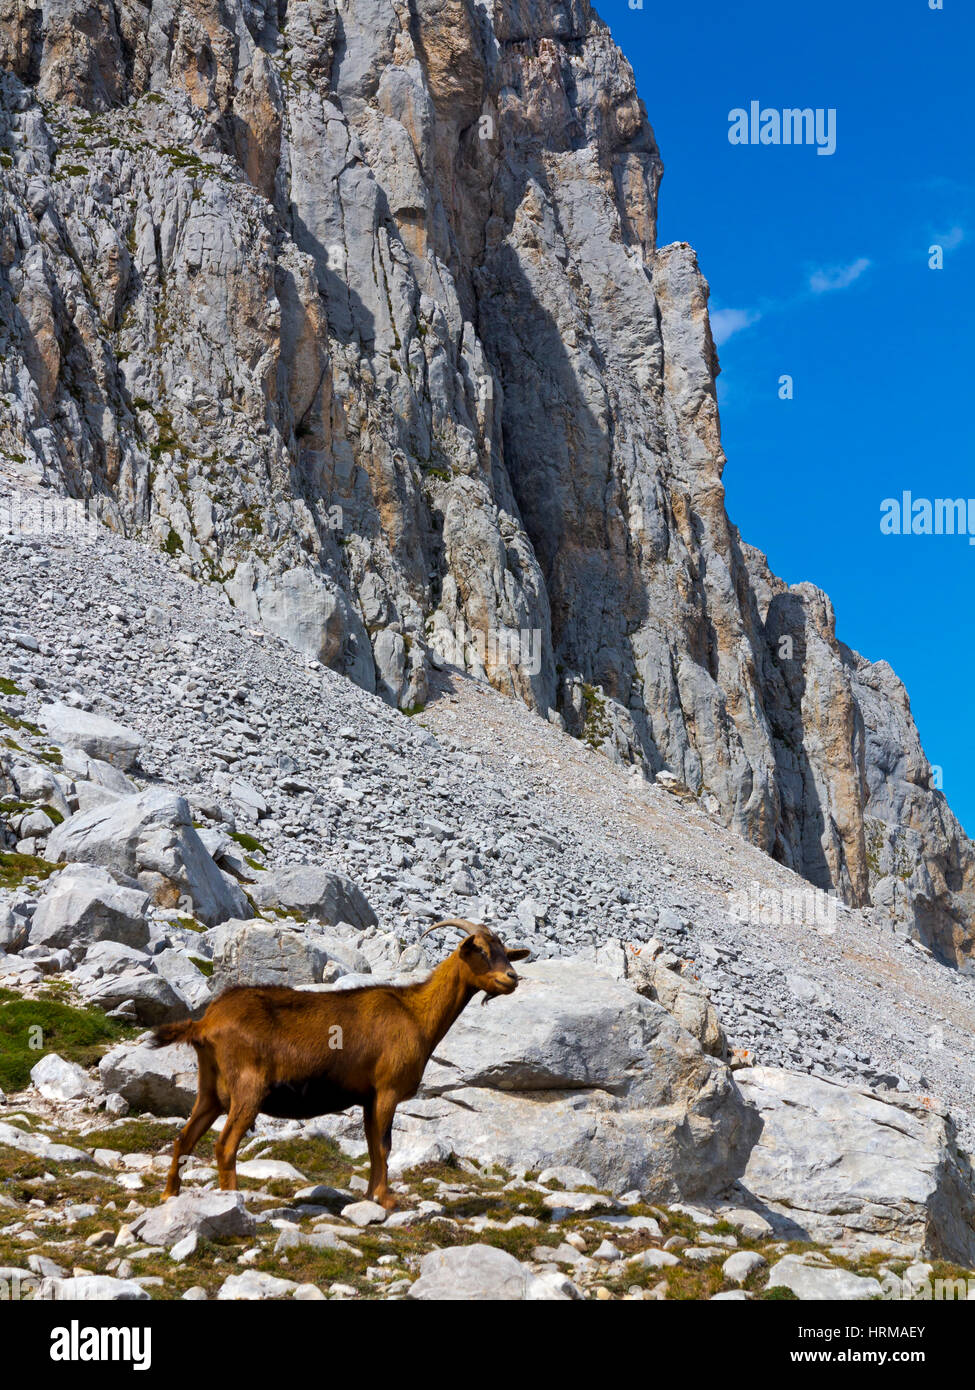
167	1033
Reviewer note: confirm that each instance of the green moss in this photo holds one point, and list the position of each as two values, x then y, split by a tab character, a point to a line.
9	687
15	869
250	519
205	967
74	170
248	842
173	544
597	725
29	1028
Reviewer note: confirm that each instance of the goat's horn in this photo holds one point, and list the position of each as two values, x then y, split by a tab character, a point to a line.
465	927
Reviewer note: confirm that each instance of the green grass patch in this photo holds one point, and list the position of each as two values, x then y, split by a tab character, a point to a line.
321	1160
138	1137
30	1028
15	868
248	842
9	687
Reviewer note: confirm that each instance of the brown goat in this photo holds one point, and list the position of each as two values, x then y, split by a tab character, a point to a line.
298	1053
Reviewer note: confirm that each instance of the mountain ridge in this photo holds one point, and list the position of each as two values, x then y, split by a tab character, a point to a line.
359	313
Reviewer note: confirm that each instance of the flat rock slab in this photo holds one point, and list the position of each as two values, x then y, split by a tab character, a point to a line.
269	1170
93	734
813	1282
479	1273
40	1145
95	1288
254	1285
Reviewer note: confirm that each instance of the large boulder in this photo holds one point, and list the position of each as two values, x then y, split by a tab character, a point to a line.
578	1068
151	836
153	999
187	979
93	734
840	1164
82	768
207	1214
85	904
319	894
161	1081
263	953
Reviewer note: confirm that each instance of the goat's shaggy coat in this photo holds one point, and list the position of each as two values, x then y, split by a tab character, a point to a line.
296	1054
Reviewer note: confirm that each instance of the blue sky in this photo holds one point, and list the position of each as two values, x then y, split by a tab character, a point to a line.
818	266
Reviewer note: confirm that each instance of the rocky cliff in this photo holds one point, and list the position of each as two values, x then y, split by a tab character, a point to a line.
357	310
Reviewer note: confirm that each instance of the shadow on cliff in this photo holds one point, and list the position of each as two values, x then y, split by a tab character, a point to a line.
559	459
801	820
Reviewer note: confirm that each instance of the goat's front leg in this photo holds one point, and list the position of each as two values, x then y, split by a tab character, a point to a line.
378	1118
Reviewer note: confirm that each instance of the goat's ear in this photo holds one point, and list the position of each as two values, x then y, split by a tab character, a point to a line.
519	954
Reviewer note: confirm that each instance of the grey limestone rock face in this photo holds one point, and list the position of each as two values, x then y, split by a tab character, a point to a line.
841	1163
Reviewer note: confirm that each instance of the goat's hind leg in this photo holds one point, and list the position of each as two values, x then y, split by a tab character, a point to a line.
206	1108
245	1103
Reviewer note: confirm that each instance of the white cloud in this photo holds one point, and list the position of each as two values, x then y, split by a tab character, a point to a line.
837	277
951	240
725	322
